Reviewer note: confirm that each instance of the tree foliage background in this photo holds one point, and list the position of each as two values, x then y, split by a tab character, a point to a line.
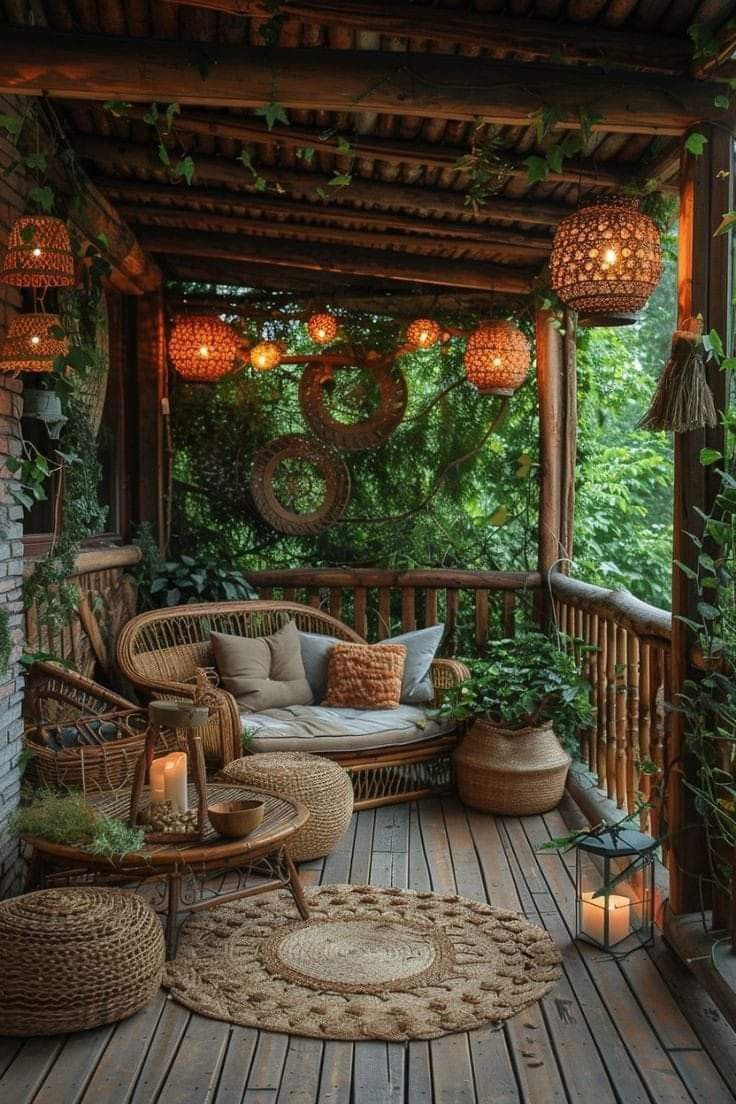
483	513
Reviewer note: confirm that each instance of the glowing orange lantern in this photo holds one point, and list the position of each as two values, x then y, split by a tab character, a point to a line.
30	345
322	328
497	358
265	356
606	261
423	333
202	348
39	254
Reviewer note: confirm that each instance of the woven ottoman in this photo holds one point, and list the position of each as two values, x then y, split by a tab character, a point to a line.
76	958
323	786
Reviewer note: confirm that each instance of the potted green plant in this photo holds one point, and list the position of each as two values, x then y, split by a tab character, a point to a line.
527	701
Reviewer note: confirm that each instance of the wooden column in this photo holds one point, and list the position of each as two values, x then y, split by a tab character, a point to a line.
704	287
557	386
152	390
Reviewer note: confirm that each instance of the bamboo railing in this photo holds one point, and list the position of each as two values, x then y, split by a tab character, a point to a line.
623	646
475	606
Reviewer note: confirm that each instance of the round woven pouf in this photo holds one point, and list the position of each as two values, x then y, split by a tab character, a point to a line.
76	958
323	786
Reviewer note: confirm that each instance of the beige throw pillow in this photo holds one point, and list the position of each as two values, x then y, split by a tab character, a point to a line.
264	672
365	676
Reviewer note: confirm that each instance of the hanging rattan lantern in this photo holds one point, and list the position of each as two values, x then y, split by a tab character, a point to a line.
39	254
606	261
423	333
30	345
265	356
497	358
202	348
322	328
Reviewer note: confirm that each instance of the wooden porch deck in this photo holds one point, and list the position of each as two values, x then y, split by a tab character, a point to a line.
639	1031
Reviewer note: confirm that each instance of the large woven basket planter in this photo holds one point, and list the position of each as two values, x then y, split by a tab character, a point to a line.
513	772
76	958
323	786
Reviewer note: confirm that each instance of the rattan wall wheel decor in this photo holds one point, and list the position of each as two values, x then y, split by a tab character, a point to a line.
353	407
299	486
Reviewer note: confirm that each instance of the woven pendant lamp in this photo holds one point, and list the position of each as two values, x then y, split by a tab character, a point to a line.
265	356
39	254
202	348
423	333
497	358
30	346
606	261
322	328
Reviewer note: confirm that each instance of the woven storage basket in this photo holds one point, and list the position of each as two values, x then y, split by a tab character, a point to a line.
93	768
323	786
76	958
514	772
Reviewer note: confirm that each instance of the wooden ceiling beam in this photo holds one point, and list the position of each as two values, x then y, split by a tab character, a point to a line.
356	262
422	154
100	67
395	304
268	278
533	248
719	64
136	193
539	38
121	155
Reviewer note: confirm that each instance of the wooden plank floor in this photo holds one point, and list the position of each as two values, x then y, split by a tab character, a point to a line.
630	1033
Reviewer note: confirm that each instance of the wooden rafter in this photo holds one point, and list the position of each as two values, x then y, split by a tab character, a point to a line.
117	154
394	305
358	262
541	39
425	155
720	62
134	194
267	278
95	67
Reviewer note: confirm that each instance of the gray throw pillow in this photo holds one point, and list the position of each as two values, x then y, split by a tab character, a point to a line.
264	672
421	648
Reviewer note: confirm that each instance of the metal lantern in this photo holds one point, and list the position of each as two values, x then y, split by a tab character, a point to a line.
39	254
322	328
265	356
423	333
202	348
615	889
606	261
497	358
30	344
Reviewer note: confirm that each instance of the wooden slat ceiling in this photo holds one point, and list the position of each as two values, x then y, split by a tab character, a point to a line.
404	218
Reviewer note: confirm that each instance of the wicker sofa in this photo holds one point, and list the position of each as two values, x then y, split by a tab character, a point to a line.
160	651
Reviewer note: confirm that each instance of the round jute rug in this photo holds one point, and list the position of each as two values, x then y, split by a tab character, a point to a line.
370	963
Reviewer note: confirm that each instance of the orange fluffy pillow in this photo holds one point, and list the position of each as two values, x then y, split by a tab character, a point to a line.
365	676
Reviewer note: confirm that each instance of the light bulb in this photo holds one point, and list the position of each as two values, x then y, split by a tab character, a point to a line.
37	252
35	340
204	351
610	256
497	362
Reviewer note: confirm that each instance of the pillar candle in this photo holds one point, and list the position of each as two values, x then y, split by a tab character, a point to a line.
175	780
592	917
156	780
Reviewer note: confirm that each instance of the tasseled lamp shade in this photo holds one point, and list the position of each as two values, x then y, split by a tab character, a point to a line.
265	356
202	348
423	333
606	261
322	328
497	358
29	345
39	254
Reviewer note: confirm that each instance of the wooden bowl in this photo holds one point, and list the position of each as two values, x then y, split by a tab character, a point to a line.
236	818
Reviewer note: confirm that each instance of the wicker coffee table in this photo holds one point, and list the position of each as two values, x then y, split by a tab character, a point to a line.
184	871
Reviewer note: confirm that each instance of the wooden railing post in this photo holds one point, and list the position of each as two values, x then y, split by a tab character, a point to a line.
704	288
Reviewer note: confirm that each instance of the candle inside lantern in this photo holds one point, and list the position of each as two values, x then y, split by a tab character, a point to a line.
175	780
156	781
593	911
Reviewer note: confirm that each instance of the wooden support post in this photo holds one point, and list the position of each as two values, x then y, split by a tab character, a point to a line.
556	384
151	389
704	287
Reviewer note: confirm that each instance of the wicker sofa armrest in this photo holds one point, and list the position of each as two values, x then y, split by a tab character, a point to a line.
446	673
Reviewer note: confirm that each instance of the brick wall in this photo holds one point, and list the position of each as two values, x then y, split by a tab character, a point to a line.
12	190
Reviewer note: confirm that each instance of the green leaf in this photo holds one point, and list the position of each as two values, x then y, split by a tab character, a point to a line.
344	148
42	197
524	465
163	154
118	108
36	161
723	102
687	571
727	221
537	169
11	123
546	118
172	110
709	456
184	168
306	154
695	143
273	112
499	517
555	157
340	180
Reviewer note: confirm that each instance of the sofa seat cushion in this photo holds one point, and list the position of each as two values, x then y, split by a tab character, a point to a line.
321	728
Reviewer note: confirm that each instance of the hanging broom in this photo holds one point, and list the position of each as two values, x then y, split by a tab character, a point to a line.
683	400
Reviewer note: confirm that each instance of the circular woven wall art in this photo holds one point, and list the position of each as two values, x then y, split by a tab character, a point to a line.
356	406
299	487
369	963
